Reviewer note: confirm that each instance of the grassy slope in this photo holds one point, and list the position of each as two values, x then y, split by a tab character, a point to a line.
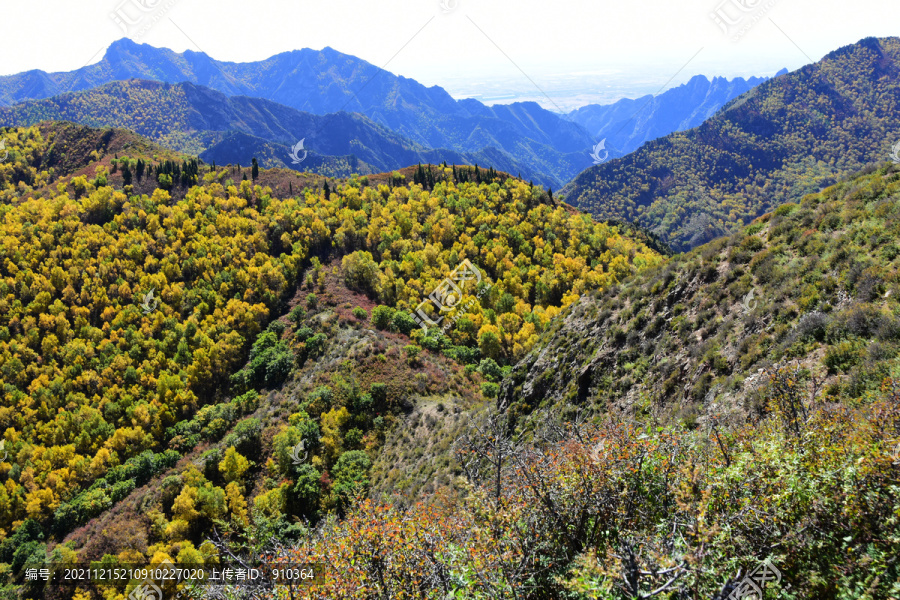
689	339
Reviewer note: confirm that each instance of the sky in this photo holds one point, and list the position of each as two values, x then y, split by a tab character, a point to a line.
497	50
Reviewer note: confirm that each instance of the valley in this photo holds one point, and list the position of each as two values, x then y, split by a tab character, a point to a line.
305	315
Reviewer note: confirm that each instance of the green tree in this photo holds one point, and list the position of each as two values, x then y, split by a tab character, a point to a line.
381	316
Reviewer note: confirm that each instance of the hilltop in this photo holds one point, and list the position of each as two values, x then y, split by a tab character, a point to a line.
788	137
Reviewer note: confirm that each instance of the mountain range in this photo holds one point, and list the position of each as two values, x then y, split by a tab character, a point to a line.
521	138
790	136
218	128
629	123
321	82
444	381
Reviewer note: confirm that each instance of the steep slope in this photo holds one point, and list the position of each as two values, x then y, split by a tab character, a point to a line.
812	285
168	335
326	81
598	480
788	137
628	124
192	119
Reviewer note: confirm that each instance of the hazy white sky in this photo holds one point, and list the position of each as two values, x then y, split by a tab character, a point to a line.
462	39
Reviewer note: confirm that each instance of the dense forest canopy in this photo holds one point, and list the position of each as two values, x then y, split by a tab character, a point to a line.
127	318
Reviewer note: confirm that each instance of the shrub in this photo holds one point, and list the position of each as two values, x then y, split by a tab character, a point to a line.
403	322
490	369
351	476
297	314
382	316
360	313
841	356
490	389
412	353
361	272
316	344
303	498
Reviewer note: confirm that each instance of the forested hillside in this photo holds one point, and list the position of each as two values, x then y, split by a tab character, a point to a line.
200	121
442	381
734	408
139	329
788	137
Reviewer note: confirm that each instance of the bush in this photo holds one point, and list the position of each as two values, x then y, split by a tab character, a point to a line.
463	354
270	363
361	272
351	476
297	314
840	357
245	437
490	369
279	366
311	301
360	313
403	322
382	316
303	498
316	344
378	392
490	389
812	326
412	353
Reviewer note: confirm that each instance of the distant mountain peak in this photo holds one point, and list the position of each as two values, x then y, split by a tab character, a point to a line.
629	123
797	133
539	143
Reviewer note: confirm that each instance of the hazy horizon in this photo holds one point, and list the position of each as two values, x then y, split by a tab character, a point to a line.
562	55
